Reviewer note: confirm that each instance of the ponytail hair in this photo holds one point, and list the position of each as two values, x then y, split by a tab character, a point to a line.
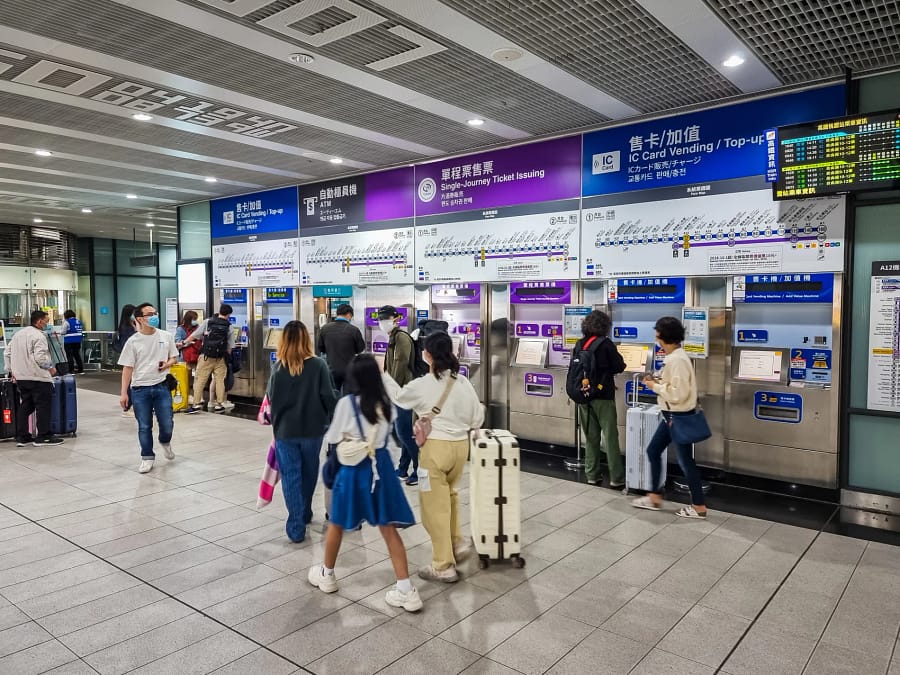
440	348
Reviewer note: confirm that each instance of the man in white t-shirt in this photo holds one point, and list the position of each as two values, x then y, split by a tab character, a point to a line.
145	360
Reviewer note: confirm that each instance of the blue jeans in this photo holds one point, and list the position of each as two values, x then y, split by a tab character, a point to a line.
146	401
658	444
410	451
298	462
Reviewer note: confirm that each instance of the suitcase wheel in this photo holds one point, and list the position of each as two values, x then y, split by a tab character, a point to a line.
483	562
517	561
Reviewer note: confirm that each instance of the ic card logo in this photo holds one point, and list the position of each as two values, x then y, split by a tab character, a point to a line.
427	190
228	218
606	162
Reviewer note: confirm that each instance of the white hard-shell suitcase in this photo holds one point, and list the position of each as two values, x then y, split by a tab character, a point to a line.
495	496
641	422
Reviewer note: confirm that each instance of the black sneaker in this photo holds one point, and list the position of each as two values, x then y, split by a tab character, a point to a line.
47	440
25	442
193	410
413	479
218	408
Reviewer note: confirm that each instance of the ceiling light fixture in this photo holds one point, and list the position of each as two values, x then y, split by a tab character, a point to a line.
733	61
210	179
130	196
506	54
475	122
38	220
86	211
43	153
336	160
301	58
149	224
142	117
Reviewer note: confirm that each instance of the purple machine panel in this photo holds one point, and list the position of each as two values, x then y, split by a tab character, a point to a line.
372	316
456	294
539	384
540	292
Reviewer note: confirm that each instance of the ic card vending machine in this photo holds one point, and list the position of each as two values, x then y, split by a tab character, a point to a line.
539	408
241	303
783	403
278	307
461	306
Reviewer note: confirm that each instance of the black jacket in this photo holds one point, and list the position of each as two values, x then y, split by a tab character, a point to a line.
607	363
339	341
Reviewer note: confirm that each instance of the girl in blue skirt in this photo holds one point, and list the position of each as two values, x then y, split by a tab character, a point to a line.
368	491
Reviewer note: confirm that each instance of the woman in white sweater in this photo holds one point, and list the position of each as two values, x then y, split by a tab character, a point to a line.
677	394
444	455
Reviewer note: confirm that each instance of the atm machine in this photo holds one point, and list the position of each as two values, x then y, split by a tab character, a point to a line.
783	404
326	299
240	301
461	306
539	408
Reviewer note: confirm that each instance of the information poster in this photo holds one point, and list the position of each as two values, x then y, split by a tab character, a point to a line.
884	337
171	315
509	214
573	317
254	240
358	230
714	235
696	331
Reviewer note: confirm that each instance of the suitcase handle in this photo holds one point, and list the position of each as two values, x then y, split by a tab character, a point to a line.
635	386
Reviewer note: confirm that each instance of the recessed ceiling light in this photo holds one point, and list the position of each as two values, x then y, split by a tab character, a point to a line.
301	58
733	61
43	153
336	160
86	211
149	224
130	196
38	220
142	117
210	179
475	122
506	54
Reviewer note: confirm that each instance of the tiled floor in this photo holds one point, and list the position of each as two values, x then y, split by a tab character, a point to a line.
106	570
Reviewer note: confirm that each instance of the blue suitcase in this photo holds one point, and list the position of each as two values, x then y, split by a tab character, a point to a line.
64	409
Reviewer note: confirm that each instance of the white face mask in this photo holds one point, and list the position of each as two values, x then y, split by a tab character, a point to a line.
387	325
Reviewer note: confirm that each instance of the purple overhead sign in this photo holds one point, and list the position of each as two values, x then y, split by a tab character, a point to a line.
374	197
537	172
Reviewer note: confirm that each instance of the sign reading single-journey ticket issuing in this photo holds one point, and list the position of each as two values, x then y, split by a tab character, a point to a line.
504	215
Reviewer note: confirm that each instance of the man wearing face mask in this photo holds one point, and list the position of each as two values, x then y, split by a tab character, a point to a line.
145	360
398	364
27	358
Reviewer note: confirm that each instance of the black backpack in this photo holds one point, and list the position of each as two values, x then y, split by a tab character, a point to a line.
215	342
417	363
582	381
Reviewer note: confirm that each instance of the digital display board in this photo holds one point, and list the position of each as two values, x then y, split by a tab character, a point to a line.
861	152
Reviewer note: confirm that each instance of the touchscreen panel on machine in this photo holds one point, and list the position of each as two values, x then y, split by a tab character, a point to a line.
531	353
635	357
759	365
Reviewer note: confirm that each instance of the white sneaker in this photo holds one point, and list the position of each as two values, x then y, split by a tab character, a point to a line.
411	601
327	583
447	576
462	549
146	465
167	450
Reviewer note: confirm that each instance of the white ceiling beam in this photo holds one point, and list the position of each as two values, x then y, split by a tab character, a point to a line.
230	31
695	24
447	22
68	188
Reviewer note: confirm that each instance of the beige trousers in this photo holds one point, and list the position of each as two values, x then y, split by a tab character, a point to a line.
444	461
218	370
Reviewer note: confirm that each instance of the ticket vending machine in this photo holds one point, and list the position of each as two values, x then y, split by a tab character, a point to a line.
783	402
461	306
276	307
539	408
240	300
401	297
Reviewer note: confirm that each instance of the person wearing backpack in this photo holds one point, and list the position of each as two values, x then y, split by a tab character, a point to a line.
398	363
589	383
218	341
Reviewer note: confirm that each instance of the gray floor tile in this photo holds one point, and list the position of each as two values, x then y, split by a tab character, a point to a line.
104	607
895	668
221	565
40	658
16	532
259	661
485	666
556	545
11	616
638	568
743	528
215	518
373	651
156	551
21	636
249	523
152	645
202	657
77	594
597	601
762	651
675	539
602	653
255	602
658	661
230	586
435	656
501	577
540	644
647	617
62	580
639	528
802	613
72	668
291	616
136	524
866	621
178	562
428	592
134	541
17	575
596	556
327	634
705	635
831	660
563	514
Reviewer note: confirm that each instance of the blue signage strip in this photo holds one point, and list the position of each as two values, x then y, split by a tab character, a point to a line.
332	291
625	332
778	407
273	211
711	145
643	291
753	336
788	288
235	295
279	296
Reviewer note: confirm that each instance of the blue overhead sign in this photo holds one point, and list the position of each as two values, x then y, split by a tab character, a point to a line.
653	290
717	144
270	212
784	288
332	291
235	295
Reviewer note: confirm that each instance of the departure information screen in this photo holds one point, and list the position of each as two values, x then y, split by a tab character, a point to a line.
843	155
